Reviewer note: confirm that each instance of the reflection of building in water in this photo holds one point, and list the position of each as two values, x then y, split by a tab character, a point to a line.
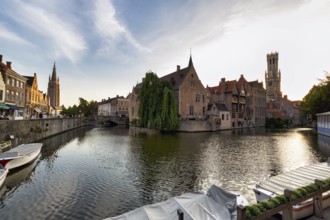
324	145
53	144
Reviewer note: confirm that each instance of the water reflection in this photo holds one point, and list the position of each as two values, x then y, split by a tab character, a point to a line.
100	172
324	145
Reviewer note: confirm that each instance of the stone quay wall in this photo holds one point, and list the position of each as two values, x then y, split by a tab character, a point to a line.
27	131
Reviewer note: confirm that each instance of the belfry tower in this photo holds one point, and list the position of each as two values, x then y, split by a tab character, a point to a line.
54	89
273	77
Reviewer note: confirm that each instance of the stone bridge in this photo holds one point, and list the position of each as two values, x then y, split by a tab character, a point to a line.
112	120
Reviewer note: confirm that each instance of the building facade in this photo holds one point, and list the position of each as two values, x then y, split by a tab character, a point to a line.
14	96
134	102
258	103
277	105
190	94
273	77
53	91
104	107
37	102
119	106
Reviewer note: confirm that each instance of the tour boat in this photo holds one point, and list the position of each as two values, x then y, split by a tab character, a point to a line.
20	155
3	174
217	204
292	180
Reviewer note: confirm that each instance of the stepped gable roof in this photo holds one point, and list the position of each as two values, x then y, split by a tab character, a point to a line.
176	78
230	85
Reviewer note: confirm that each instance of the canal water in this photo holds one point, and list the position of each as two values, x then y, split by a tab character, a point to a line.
94	173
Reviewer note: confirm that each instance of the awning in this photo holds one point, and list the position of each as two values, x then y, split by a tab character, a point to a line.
37	110
14	107
4	106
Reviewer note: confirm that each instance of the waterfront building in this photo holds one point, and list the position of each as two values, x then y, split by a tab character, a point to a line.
14	96
37	102
190	94
246	101
134	102
53	92
323	123
218	116
3	107
278	106
119	106
104	107
258	104
233	97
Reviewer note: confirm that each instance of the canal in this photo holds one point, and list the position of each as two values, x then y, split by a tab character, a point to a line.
94	173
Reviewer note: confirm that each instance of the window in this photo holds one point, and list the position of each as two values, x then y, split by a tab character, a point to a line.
198	98
192	83
1	94
17	96
223	116
203	98
12	96
203	110
8	81
227	117
17	83
8	94
270	83
13	82
191	110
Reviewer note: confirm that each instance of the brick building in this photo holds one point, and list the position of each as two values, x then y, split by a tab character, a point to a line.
190	94
37	102
14	96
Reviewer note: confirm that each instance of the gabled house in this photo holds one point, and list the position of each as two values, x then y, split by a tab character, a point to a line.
37	103
219	116
190	94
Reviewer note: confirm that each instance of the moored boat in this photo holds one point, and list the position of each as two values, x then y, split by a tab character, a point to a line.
20	155
292	180
3	174
217	204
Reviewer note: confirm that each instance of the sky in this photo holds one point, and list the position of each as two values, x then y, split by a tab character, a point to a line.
102	48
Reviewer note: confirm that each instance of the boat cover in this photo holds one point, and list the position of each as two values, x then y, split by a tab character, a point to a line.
21	150
216	204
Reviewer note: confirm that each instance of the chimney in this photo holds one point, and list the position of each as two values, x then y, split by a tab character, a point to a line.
177	68
9	64
223	80
0	58
285	97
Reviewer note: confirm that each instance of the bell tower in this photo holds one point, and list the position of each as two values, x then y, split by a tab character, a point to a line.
273	77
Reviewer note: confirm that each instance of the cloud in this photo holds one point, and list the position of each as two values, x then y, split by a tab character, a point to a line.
113	33
7	35
49	30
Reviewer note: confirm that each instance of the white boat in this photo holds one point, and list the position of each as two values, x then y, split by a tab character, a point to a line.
20	155
3	174
292	180
216	204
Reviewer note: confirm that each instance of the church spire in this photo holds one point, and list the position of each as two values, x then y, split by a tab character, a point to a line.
190	61
54	73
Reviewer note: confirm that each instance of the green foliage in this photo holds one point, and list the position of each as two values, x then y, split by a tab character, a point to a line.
254	210
157	104
318	99
276	123
84	108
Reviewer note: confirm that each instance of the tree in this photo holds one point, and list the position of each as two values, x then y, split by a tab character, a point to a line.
157	104
318	98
